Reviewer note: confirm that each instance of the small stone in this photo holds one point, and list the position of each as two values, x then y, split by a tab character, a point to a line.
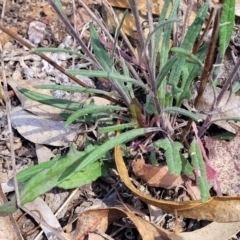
36	32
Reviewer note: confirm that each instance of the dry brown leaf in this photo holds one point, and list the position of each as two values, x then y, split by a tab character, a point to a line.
219	209
4	37
155	4
49	12
100	219
226	109
155	176
224	159
213	231
128	26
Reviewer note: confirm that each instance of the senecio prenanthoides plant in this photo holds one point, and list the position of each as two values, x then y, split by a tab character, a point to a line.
148	98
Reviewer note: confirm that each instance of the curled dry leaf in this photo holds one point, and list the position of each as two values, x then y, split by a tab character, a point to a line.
213	231
155	176
100	219
219	209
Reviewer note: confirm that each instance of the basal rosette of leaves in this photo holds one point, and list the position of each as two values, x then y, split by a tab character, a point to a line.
164	83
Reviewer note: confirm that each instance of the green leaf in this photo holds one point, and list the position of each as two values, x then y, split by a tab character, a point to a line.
107	64
199	165
161	80
194	72
105	74
27	173
42	181
117	127
153	158
171	154
48	100
9	207
187	54
187	44
91	109
235	86
100	52
164	71
59	6
49	178
122	138
226	25
167	35
159	31
74	161
81	178
187	168
59	50
183	112
73	89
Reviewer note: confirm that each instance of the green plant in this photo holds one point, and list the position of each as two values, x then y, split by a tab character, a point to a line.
164	85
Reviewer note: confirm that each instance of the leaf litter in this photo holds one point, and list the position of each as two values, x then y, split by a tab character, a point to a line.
224	159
